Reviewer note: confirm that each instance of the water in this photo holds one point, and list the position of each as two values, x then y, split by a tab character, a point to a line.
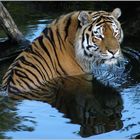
85	106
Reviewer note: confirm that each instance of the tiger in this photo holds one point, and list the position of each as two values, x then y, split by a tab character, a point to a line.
68	46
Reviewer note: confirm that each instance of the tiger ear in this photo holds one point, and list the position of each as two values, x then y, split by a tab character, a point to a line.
83	18
116	13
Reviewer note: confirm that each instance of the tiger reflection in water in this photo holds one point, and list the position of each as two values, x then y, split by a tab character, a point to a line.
86	101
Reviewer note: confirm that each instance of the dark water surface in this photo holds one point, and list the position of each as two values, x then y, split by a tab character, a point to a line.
82	107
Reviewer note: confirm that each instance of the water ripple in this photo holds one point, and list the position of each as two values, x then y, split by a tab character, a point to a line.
124	73
113	75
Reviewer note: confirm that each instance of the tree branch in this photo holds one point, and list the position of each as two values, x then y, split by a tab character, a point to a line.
9	26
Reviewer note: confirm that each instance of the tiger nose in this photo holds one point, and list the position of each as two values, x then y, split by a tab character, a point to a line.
112	51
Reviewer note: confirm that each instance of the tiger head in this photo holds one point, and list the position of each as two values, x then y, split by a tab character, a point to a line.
98	40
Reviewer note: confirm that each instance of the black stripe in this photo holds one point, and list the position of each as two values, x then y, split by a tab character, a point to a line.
42	44
90	28
42	67
96	15
57	19
88	47
6	75
18	93
87	37
101	37
39	69
30	73
109	21
19	73
59	38
56	57
57	69
27	84
24	61
79	66
39	55
93	22
45	48
109	18
34	95
83	37
45	31
99	24
59	62
38	95
10	88
21	85
90	12
50	87
86	54
18	82
66	29
98	20
10	77
101	12
78	25
51	83
51	36
92	34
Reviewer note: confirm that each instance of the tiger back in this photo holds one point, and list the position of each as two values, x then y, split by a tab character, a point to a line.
70	45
